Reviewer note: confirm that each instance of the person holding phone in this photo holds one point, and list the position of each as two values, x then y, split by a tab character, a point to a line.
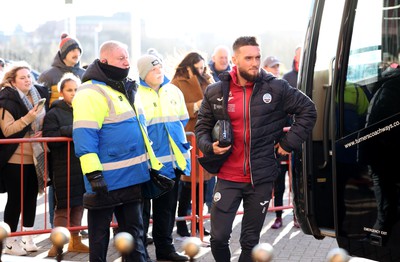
20	118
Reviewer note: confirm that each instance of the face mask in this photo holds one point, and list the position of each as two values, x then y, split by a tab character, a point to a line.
113	72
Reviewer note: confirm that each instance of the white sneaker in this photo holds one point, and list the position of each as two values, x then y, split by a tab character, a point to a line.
13	248
28	244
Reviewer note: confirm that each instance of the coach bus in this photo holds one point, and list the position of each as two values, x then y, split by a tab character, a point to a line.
346	181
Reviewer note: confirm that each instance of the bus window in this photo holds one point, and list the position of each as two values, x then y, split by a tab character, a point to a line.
346	182
368	192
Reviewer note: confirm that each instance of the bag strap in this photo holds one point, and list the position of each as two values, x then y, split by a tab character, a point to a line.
225	94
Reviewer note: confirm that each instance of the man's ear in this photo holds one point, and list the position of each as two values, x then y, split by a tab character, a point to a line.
233	60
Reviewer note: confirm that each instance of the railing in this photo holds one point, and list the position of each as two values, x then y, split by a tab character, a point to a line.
197	172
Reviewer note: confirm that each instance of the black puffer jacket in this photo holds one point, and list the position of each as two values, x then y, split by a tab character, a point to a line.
271	102
12	102
58	123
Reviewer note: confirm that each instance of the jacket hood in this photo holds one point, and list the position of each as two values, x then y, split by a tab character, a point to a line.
60	104
94	72
127	86
58	62
8	94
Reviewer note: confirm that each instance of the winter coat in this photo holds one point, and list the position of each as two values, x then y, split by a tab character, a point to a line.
215	74
166	116
52	76
108	138
192	92
291	76
272	100
12	103
58	123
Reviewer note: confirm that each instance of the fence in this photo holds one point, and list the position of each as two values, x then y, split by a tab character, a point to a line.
197	172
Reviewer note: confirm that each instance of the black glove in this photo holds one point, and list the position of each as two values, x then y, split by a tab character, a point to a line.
97	182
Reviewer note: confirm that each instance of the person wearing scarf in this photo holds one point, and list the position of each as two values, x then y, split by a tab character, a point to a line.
111	148
20	118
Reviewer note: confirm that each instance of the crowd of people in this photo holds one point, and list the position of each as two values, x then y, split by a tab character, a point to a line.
125	131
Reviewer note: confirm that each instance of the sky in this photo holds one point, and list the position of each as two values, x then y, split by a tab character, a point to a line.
251	16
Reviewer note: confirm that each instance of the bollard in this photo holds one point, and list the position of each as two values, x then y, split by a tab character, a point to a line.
263	252
4	233
338	255
124	243
191	246
59	237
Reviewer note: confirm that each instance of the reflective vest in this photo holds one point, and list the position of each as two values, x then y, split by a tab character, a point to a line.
107	136
166	116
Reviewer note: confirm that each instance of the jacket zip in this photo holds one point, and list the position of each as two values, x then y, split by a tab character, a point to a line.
251	174
244	133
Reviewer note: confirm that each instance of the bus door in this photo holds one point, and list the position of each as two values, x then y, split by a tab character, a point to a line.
360	134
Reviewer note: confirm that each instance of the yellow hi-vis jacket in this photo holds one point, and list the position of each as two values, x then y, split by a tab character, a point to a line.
107	136
166	116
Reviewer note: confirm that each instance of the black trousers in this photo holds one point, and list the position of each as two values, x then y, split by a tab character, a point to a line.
129	217
227	198
12	181
185	198
279	188
164	210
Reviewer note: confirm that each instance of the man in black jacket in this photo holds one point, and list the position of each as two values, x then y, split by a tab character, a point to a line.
257	105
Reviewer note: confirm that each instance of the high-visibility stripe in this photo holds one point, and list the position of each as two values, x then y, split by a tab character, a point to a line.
163	119
107	111
170	158
86	124
180	159
119	118
125	163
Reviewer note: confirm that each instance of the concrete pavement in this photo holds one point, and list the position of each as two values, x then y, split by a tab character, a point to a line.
289	243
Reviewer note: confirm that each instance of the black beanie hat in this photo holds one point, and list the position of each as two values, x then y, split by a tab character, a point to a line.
68	44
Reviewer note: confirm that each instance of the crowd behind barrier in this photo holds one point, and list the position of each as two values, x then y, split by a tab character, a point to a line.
197	171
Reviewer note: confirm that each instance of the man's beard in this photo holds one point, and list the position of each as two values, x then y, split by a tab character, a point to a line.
247	76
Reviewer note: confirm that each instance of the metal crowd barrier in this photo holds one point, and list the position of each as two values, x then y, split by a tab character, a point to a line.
197	172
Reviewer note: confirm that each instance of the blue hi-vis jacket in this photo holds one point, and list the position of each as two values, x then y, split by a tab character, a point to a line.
166	110
107	136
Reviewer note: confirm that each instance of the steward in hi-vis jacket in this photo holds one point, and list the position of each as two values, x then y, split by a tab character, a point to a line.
111	147
166	116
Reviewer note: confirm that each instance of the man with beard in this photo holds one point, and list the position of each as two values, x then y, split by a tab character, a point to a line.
110	143
257	105
67	60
